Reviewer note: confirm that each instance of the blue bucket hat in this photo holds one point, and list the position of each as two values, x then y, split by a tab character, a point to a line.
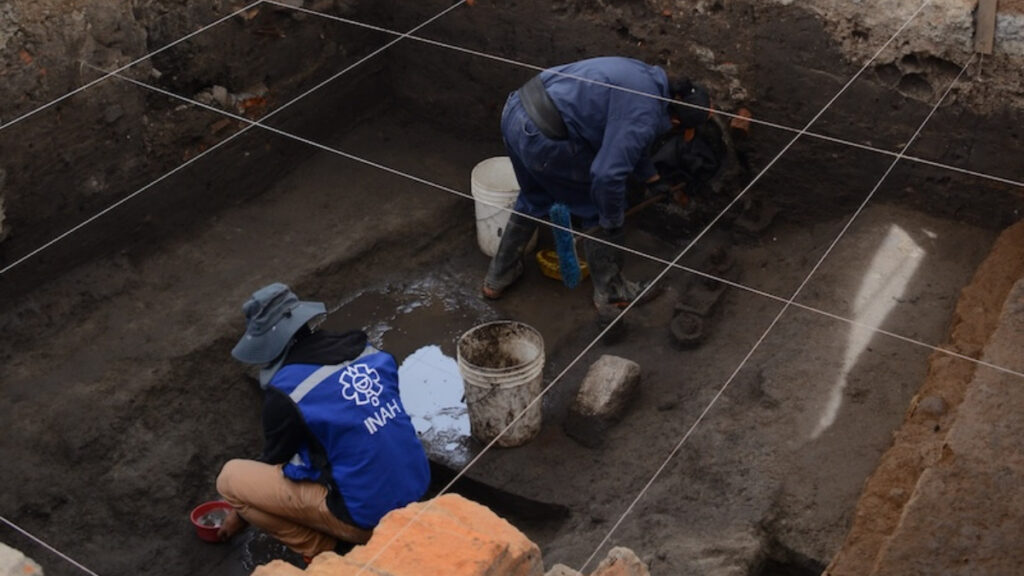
272	317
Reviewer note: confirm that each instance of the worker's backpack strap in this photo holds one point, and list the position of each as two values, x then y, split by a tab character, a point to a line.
320	374
541	109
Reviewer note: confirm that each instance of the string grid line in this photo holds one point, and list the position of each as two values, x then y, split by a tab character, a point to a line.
669	264
752	120
40	542
249	126
138	60
409	35
764	335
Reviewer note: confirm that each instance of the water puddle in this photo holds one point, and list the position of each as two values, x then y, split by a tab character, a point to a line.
419	324
433	395
403	319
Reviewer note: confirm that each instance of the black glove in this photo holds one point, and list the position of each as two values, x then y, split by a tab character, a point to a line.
659	187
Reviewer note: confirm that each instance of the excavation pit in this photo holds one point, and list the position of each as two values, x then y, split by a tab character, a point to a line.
116	340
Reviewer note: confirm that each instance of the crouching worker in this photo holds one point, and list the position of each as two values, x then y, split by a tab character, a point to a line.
576	134
339	449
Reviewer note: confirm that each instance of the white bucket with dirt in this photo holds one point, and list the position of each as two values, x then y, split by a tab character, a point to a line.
494	187
502	366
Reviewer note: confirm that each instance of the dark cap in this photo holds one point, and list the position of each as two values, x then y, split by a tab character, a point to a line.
696	103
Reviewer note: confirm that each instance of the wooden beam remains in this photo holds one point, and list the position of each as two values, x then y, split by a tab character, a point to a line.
985	26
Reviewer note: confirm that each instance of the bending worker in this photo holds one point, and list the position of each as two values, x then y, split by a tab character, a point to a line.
576	134
339	449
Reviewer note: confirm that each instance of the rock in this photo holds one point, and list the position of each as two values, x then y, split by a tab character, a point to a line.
452	535
610	385
562	570
932	406
687	329
112	114
446	535
621	562
105	22
14	563
281	568
221	96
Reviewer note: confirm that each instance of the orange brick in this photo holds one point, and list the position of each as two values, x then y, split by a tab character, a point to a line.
448	535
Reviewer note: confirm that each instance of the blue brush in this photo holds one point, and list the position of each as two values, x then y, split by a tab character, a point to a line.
565	246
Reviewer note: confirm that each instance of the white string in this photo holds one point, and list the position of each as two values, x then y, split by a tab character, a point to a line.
250	125
129	65
768	330
47	546
763	171
782	127
672	264
578	358
593	343
830	315
651	257
343	154
410	36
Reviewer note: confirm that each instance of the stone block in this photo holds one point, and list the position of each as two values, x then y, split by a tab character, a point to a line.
447	535
562	570
621	562
15	563
279	568
609	387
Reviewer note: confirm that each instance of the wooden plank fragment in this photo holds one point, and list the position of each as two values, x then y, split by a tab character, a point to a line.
985	26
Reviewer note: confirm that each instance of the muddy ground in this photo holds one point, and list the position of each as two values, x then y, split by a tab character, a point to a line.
121	401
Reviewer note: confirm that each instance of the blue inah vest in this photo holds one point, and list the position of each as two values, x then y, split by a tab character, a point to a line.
354	411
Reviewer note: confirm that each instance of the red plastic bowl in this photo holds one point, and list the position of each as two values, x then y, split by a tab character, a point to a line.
207	518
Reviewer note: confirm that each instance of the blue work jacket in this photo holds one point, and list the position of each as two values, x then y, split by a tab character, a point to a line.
612	120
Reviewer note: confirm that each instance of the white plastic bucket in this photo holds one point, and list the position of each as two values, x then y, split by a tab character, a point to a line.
502	366
494	186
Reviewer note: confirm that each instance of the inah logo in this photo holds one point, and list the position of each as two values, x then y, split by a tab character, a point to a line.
361	383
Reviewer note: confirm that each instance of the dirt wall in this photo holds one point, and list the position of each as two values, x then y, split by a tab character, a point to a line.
782	60
96	148
890	527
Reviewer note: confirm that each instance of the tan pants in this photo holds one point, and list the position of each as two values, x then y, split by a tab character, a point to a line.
293	512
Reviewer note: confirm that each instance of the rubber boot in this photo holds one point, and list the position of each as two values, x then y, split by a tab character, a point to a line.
612	291
507	265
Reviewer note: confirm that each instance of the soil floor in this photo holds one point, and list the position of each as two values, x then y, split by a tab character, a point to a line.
754	445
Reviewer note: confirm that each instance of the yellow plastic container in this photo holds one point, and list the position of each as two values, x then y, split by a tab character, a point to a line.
548	262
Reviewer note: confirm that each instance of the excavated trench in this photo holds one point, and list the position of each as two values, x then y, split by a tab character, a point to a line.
120	398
